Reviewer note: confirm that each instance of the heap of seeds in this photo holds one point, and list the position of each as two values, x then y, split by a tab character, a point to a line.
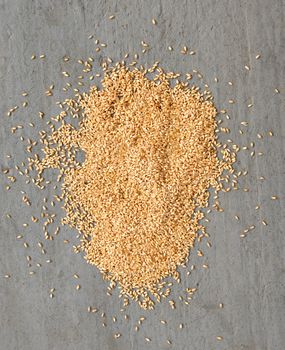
151	156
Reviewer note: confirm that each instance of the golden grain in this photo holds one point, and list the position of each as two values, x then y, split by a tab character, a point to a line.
147	146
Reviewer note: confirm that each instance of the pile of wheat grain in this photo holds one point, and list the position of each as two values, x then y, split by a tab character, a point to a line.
151	157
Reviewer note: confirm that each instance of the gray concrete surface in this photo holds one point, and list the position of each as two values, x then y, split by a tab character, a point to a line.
246	275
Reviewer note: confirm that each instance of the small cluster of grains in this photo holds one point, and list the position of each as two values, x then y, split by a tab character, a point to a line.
151	156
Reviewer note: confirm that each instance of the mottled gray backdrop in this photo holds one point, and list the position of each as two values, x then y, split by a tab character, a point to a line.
247	274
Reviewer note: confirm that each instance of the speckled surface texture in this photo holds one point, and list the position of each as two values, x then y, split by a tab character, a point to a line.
246	275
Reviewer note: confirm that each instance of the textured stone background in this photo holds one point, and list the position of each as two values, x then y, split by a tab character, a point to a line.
247	275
